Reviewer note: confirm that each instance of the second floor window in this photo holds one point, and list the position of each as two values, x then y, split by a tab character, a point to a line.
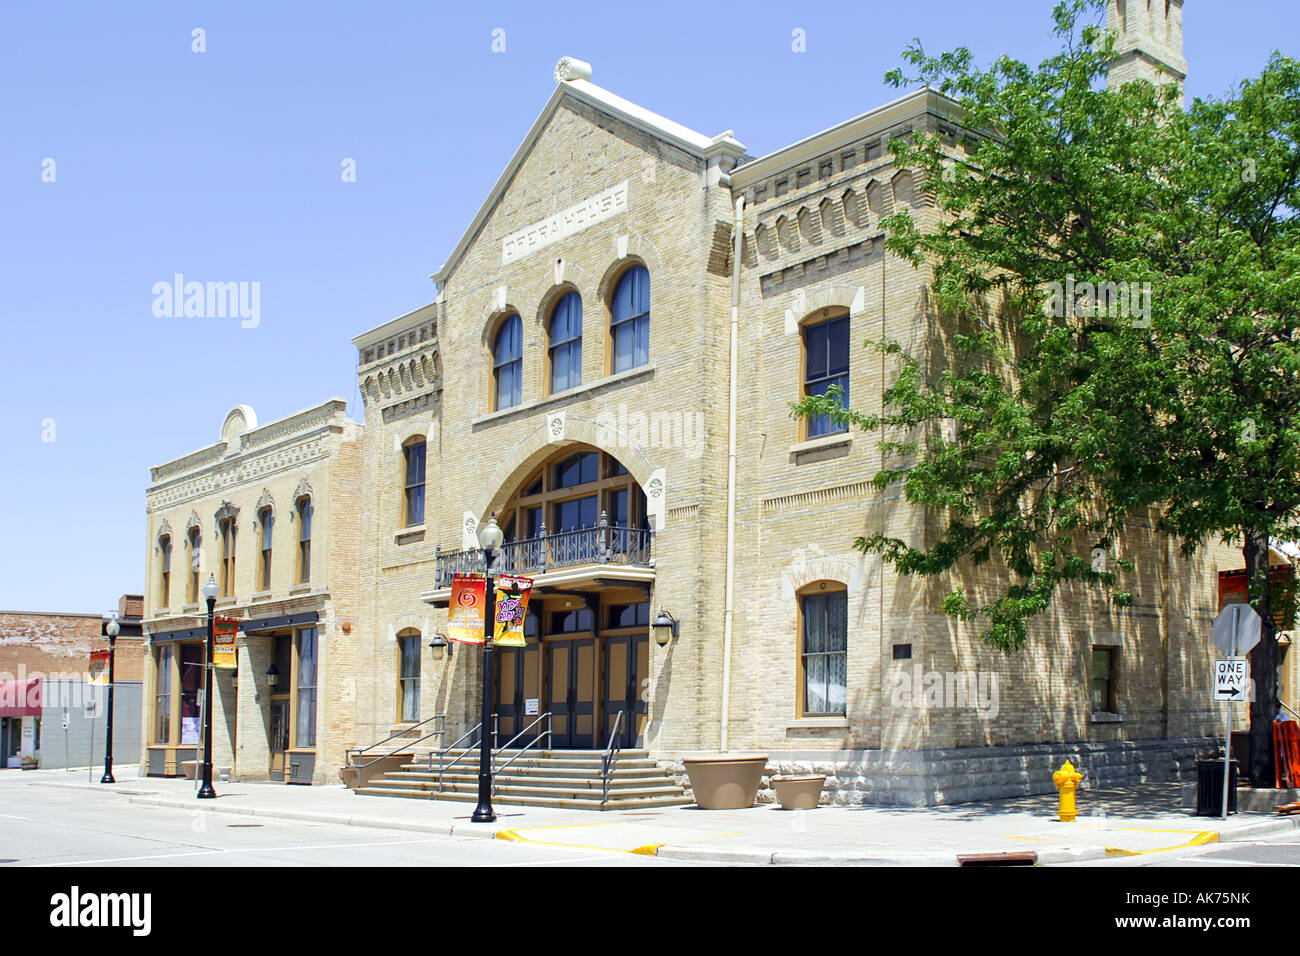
227	557
566	343
304	540
165	585
414	486
508	363
266	521
629	321
826	363
196	542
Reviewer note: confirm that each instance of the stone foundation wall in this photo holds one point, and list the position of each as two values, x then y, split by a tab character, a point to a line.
923	778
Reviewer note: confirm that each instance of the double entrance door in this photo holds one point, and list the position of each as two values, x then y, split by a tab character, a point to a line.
583	682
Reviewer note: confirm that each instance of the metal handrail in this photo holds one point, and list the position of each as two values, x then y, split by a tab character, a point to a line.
1290	711
349	755
445	750
610	758
522	750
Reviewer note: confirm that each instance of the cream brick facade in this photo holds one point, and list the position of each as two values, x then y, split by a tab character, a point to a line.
600	185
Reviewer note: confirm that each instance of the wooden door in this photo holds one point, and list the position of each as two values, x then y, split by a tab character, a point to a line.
571	685
627	664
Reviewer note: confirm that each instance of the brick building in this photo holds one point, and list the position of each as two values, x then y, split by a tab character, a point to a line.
607	368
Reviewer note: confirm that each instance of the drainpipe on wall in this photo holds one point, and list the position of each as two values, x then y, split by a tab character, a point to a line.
729	600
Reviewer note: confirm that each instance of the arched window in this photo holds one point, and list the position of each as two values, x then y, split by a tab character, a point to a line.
165	585
304	539
629	321
566	343
408	675
826	363
265	521
227	557
413	488
823	649
196	542
508	363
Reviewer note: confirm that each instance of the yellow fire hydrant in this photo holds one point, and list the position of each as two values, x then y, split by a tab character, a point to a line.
1067	781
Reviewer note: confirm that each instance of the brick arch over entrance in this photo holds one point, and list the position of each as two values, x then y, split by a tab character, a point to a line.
538	445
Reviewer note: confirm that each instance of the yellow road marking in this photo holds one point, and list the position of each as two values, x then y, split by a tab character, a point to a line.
649	849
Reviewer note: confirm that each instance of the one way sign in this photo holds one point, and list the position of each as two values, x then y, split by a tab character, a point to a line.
1230	680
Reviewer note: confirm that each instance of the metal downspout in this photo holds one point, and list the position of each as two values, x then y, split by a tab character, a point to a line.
729	600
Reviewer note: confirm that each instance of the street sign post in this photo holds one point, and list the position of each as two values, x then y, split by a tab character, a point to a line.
1236	632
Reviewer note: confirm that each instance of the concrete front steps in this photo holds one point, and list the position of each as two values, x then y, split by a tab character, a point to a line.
568	779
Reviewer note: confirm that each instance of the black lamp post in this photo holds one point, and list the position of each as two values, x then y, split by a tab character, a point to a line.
489	539
113	630
210	595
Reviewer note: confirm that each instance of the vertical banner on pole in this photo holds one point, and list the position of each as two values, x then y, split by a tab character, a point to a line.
512	595
224	632
466	610
99	668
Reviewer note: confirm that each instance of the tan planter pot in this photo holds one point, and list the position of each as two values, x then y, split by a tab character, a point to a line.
188	767
725	782
799	793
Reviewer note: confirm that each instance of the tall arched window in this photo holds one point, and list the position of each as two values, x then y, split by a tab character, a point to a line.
629	321
566	343
508	363
408	675
266	521
227	557
413	489
196	542
304	540
826	363
165	585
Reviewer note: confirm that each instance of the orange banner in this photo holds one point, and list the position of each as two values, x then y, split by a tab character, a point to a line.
224	631
465	613
511	605
99	668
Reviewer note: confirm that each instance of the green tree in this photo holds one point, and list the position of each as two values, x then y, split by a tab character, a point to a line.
1120	280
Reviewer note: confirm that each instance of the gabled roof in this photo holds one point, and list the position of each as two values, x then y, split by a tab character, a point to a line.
573	79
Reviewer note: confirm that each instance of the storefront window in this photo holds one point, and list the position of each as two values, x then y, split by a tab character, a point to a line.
306	703
191	682
162	702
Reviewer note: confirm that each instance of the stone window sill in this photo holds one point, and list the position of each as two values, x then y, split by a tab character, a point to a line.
1106	719
818	723
571	394
262	596
191	609
821	442
412	535
226	602
301	588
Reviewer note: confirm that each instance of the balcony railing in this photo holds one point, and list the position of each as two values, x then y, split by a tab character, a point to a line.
605	544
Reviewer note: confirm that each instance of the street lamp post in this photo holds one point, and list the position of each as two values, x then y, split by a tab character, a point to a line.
113	630
489	539
210	595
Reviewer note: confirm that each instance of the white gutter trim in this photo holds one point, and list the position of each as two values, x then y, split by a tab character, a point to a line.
729	597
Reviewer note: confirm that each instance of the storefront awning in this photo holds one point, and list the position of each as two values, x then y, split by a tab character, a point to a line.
20	698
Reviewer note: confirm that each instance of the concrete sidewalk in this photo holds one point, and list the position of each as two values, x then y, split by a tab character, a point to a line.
1138	820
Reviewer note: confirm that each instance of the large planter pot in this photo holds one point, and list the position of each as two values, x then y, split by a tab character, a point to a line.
799	793
725	782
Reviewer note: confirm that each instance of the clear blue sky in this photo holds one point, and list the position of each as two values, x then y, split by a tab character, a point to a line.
225	166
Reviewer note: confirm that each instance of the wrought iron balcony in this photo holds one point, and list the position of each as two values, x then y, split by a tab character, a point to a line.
605	544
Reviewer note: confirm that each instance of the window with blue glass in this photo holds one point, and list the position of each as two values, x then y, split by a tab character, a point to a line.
566	343
414	451
629	322
575	513
508	364
577	470
826	363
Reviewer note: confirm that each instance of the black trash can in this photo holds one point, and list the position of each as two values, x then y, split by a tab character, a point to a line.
1209	788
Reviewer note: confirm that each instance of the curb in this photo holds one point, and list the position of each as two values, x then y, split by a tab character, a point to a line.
338	819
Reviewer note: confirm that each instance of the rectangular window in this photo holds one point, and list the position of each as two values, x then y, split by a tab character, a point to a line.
824	653
162	697
575	513
415	453
196	542
802	178
826	169
628	615
228	557
826	363
409	671
304	540
165	590
1102	684
305	705
191	659
268	524
848	159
